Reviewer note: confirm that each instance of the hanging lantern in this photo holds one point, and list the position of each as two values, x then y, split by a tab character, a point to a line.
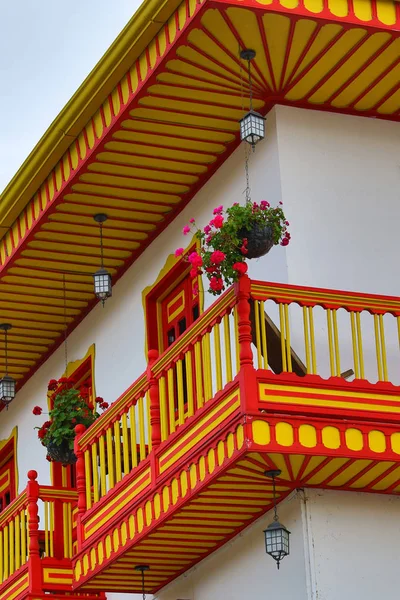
276	534
142	569
7	383
252	125
102	278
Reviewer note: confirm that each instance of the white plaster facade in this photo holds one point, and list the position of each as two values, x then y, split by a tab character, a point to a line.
339	179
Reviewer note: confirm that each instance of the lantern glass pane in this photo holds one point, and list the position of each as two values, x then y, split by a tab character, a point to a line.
252	128
277	542
102	284
7	389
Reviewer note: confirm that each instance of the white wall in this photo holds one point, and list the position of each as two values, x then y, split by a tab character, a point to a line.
242	570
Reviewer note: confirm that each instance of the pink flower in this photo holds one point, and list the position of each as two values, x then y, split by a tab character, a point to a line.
216	284
218	221
208	239
186	230
281	203
195	259
264	204
217	257
240	267
235	204
287	223
218	210
191	220
179	252
207	229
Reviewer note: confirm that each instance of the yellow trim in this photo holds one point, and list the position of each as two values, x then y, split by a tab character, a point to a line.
3	443
127	48
170	262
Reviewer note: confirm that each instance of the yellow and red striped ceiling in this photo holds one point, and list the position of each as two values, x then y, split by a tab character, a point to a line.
166	127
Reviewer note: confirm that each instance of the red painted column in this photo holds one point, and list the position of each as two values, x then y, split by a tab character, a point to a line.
80	481
34	561
247	373
155	419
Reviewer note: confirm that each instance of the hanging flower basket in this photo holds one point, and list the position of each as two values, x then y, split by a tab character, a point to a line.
71	407
260	240
62	453
231	237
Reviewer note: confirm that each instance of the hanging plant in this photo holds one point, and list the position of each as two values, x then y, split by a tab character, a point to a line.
231	237
70	408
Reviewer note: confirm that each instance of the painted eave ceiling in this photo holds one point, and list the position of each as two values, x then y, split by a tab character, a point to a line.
165	128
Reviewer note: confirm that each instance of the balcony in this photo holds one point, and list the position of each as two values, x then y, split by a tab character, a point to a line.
271	375
36	562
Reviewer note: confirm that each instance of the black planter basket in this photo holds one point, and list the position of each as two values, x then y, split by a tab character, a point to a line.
61	454
259	240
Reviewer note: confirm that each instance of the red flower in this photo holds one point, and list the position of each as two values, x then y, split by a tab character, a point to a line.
104	405
264	204
216	284
194	272
217	257
195	259
179	252
212	269
244	250
218	221
41	433
186	230
285	241
90	406
218	210
207	229
52	385
99	400
48	458
191	220
240	267
73	421
37	410
46	425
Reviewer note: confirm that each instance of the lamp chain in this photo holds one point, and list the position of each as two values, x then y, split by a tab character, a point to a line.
143	590
275	507
101	245
65	327
250	85
247	191
6	350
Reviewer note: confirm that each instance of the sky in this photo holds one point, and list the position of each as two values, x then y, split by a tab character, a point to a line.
47	48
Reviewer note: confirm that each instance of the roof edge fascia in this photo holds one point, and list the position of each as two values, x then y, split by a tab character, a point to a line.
131	42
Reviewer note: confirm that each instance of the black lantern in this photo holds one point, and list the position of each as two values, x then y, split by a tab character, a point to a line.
276	534
102	278
252	126
7	383
142	569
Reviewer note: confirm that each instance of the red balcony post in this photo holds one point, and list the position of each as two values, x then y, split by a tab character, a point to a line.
244	324
80	480
34	563
155	420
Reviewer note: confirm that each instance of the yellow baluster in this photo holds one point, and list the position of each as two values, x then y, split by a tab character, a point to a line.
312	340
217	352
283	342
70	529
103	470
11	548
237	347
46	527
360	345
258	333
377	348
51	529
125	442
163	408
142	442
88	479
171	399
17	542
199	375
228	353
206	351
383	348
117	450
95	467
65	530
23	537
110	455
189	382
306	339
180	393
148	421
354	344
132	423
263	335
288	342
336	341
6	551
330	342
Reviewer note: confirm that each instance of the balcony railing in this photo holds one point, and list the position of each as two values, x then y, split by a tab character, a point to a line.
304	332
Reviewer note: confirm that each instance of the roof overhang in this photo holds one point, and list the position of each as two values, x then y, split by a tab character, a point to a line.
154	121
